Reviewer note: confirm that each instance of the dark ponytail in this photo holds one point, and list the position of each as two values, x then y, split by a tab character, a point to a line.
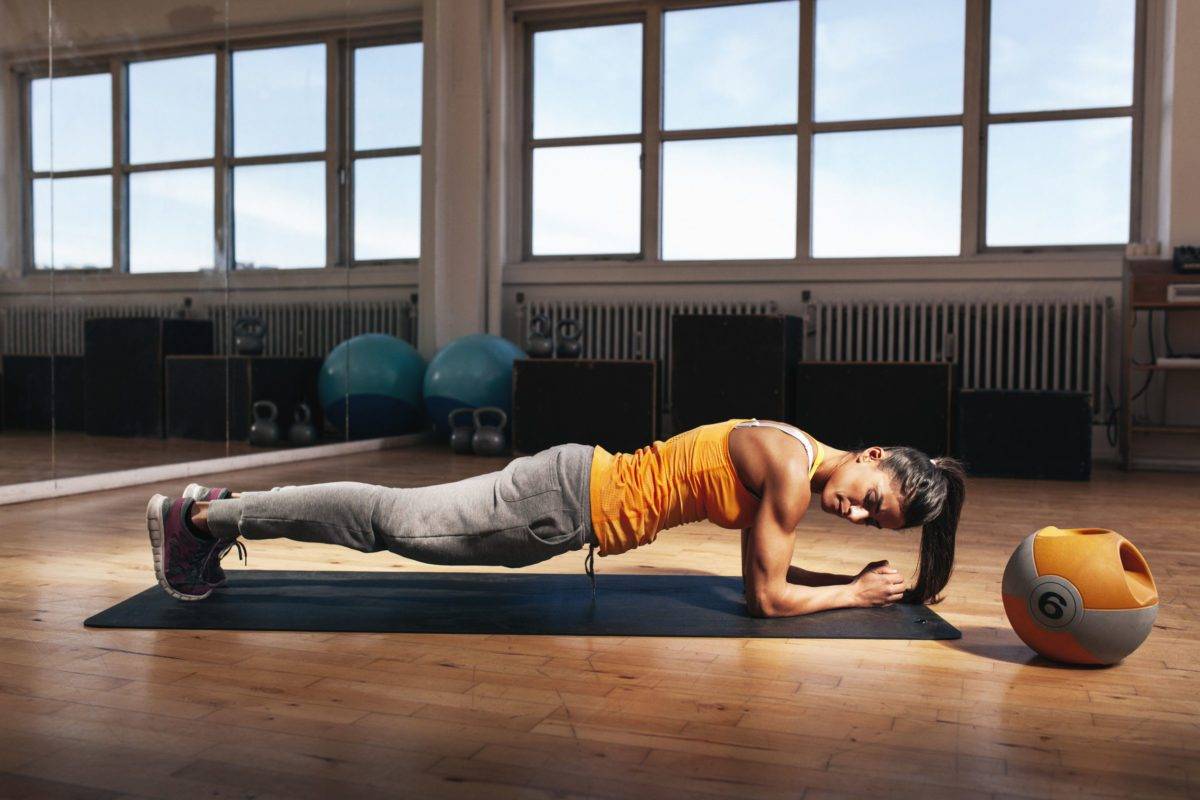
933	491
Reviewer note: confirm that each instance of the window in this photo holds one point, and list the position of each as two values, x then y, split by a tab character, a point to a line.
387	152
279	155
585	141
71	173
289	185
1060	122
797	129
172	135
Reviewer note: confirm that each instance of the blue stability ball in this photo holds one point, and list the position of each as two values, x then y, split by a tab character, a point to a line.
473	371
379	376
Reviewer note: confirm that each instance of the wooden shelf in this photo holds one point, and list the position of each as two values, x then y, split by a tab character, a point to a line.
1166	428
1144	287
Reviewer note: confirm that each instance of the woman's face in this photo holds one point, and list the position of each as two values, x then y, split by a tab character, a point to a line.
861	492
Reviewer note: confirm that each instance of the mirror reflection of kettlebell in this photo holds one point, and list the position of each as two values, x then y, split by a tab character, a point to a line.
541	341
302	433
249	336
461	433
489	440
264	431
570	336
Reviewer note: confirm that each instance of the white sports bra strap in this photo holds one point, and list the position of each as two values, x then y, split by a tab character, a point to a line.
788	429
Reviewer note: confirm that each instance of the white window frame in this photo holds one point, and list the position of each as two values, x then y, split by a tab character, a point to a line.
973	120
339	154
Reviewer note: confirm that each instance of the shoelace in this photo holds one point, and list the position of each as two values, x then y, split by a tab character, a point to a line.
589	565
241	549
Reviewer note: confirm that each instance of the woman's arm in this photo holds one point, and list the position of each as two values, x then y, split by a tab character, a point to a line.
767	548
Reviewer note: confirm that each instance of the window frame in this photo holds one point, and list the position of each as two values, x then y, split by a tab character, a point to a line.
338	156
973	120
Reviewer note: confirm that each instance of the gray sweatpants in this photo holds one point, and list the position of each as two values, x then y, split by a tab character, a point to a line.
535	508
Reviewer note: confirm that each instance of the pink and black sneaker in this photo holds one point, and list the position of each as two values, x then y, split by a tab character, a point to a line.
214	575
181	558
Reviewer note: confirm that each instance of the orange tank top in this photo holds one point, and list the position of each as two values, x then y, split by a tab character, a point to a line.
689	477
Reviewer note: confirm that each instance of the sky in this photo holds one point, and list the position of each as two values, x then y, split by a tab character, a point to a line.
874	193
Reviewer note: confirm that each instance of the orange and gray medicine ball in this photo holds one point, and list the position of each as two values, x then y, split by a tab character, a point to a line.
1080	595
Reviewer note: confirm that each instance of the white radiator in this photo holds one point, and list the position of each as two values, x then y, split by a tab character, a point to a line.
1053	343
293	329
630	329
1050	343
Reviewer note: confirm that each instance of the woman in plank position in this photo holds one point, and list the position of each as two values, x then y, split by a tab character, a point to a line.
757	476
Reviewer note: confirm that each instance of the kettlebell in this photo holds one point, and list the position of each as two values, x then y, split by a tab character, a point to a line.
249	336
302	433
264	431
461	434
541	341
488	440
570	335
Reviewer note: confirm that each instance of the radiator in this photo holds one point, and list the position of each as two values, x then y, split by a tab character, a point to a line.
632	329
293	329
1049	344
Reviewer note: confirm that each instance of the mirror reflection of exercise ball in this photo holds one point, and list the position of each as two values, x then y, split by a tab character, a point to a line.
470	372
1080	595
375	380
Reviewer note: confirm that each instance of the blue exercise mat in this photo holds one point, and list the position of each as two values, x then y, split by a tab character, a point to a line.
505	603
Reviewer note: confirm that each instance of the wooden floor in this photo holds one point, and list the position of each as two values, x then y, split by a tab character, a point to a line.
25	456
104	713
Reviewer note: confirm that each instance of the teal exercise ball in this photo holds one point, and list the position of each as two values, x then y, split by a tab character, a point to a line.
472	372
375	381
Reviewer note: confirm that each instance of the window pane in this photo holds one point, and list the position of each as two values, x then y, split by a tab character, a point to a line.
387	208
81	233
879	58
587	199
1059	182
729	198
171	220
587	81
172	109
279	100
279	215
82	133
387	96
887	193
733	65
1066	54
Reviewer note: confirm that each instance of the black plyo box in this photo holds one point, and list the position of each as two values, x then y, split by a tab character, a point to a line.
726	366
611	403
850	404
202	390
1025	433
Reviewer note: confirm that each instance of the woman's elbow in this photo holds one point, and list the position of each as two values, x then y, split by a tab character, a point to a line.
762	606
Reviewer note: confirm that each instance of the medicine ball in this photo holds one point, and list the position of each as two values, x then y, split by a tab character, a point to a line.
1080	595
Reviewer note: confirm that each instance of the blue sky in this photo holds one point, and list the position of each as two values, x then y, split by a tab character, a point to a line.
874	193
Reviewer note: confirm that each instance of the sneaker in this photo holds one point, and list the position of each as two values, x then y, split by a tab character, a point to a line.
213	574
180	558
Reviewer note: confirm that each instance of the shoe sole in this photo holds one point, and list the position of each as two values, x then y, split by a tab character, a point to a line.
154	525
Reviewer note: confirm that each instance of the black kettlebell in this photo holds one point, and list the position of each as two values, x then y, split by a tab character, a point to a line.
570	339
302	433
461	434
488	440
264	431
249	336
541	341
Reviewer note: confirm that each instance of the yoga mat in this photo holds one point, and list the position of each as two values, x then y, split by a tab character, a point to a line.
507	603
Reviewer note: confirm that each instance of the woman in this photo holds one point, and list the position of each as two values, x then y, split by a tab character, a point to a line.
757	476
